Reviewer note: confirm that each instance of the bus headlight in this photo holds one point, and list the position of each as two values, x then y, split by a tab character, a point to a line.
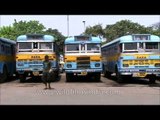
20	64
69	65
157	65
97	65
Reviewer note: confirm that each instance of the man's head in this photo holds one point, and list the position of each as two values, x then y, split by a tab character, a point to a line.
46	57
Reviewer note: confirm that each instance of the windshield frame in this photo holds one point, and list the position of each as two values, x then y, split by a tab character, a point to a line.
84	50
35	49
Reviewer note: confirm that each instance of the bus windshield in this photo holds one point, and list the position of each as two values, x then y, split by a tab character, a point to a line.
151	47
93	48
45	46
25	46
72	48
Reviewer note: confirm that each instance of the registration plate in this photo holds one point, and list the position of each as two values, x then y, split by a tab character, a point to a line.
36	73
83	73
142	74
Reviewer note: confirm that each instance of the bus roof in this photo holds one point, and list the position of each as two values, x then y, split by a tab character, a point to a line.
72	40
129	38
32	37
7	40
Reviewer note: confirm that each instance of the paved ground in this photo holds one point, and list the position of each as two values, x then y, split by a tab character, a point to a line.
80	92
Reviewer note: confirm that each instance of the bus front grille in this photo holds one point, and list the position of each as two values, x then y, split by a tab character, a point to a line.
83	62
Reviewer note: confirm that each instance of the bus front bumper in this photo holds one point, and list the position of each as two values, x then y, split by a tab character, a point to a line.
141	72
84	70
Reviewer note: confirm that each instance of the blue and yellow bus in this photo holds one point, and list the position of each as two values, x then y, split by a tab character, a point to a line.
31	50
136	55
83	57
7	58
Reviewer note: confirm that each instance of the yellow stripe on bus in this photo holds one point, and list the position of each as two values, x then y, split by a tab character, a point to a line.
34	56
136	56
7	58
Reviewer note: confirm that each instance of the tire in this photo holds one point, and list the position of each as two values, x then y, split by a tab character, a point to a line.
152	80
108	74
3	76
22	78
97	77
69	77
119	77
104	72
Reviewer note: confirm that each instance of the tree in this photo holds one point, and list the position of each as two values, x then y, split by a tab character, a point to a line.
7	32
155	28
21	27
124	27
96	30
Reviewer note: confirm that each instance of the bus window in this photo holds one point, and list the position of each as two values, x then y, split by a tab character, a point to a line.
141	47
45	46
93	47
130	46
82	47
72	47
25	45
120	48
12	50
35	45
152	45
2	48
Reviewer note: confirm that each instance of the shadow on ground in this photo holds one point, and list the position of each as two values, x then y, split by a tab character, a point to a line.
134	81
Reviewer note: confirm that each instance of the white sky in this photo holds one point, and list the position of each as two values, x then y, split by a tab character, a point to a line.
76	24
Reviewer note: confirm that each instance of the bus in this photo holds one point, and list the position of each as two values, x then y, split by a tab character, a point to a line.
136	55
31	49
82	57
7	58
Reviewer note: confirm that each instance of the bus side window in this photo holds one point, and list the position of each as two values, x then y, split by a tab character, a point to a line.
0	47
120	48
12	50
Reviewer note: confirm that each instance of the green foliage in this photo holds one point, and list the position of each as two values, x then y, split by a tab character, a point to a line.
96	30
20	28
31	27
8	32
122	28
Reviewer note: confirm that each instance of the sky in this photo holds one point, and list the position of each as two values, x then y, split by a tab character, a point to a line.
75	24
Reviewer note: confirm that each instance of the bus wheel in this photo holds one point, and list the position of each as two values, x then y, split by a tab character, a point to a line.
152	80
3	76
108	74
22	78
69	77
97	77
119	77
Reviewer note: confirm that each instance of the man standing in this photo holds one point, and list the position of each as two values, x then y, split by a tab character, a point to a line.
47	72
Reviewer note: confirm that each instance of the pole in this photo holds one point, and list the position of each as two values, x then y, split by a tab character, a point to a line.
84	25
68	25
